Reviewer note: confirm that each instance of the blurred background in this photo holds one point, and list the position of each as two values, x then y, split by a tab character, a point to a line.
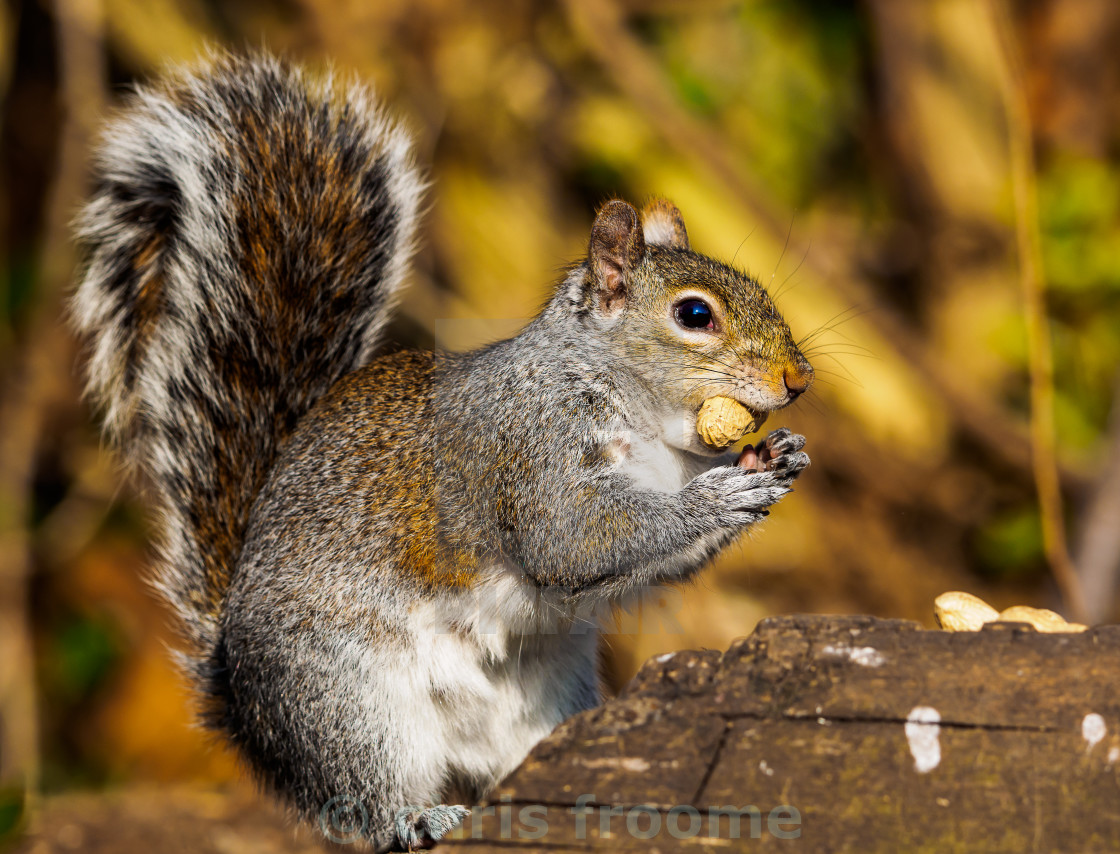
931	189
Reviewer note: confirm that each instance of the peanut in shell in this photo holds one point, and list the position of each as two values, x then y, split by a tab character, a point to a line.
963	612
1043	619
722	422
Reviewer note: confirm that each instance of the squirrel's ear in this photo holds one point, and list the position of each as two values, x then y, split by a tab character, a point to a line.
663	225
616	248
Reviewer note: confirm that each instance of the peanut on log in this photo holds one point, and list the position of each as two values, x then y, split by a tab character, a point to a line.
963	612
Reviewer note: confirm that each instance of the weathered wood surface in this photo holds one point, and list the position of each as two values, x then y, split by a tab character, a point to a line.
811	713
802	726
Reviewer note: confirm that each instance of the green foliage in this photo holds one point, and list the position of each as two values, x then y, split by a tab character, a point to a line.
1011	544
1079	202
81	654
12	805
786	94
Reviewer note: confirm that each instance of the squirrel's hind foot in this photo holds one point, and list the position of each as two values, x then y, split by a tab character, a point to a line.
422	829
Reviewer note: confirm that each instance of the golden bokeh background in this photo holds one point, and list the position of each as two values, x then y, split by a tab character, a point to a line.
931	188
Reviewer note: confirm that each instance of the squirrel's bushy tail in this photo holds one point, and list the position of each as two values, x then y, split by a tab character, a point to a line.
246	234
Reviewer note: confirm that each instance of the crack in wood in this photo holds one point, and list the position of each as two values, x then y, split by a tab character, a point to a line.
873	719
727	727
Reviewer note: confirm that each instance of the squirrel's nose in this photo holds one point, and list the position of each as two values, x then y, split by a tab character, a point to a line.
797	379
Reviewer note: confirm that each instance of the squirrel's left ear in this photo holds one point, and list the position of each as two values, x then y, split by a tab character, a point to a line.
615	250
663	225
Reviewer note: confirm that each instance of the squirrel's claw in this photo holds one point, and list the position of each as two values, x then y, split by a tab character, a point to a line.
789	464
782	441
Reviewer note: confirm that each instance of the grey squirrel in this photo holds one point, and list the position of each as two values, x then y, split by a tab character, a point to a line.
387	568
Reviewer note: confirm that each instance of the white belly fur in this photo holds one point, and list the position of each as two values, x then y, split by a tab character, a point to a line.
482	693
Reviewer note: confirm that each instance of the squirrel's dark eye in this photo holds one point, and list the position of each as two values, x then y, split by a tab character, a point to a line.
694	314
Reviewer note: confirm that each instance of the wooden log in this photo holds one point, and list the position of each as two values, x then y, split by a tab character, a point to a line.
847	734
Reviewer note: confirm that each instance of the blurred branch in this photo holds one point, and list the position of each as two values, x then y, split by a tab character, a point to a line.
8	28
1098	548
39	378
7	47
1020	142
637	74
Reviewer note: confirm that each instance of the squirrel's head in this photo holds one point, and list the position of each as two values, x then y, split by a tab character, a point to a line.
693	327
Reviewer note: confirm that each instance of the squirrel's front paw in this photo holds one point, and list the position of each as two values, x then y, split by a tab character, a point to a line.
736	497
742	493
780	453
